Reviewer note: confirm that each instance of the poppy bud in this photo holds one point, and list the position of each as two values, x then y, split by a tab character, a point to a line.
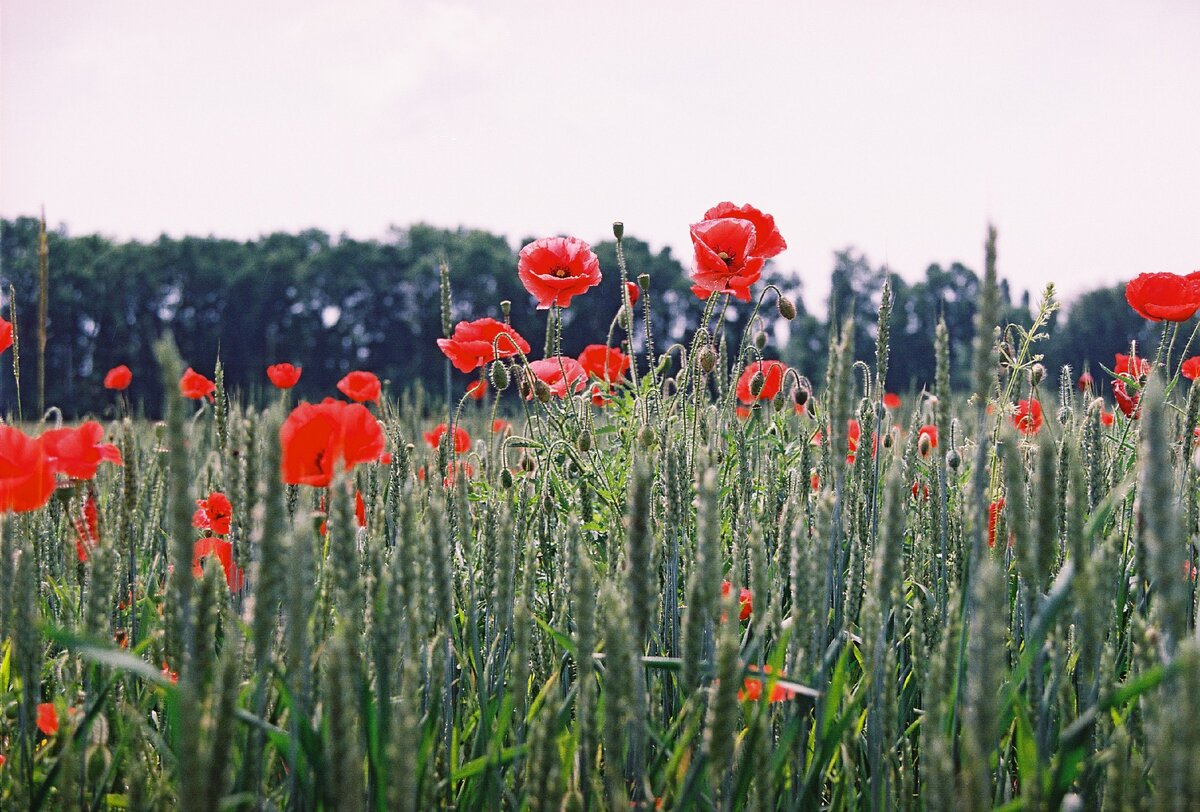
708	359
506	480
953	460
778	401
541	391
644	281
760	339
1037	373
618	229
756	384
664	363
800	394
528	463
647	437
499	376
786	309
584	442
525	388
505	309
924	445
887	440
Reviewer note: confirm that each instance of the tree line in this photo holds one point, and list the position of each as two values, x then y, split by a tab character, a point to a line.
333	304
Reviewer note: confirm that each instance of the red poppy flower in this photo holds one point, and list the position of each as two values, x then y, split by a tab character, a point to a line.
742	412
814	482
6	334
471	344
77	453
361	386
1028	416
477	389
725	256
768	242
917	489
213	514
600	395
223	550
87	530
1190	368
26	476
772	372
853	433
499	425
930	432
1106	418
1164	296
1127	403
993	516
316	437
462	440
1131	365
195	386
751	690
560	373
891	401
283	376
47	718
606	363
555	269
118	378
460	467
360	509
745	599
1085	382
634	292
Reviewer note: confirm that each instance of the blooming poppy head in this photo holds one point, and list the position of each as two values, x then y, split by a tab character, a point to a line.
26	475
360	386
195	386
891	401
1131	365
1106	418
634	292
462	440
745	599
1190	368
1128	404
223	550
500	425
316	437
1085	382
77	453
1028	416
725	261
477	389
1163	296
6	334
475	343
283	376
772	379
562	374
606	363
556	269
47	718
768	242
213	514
118	378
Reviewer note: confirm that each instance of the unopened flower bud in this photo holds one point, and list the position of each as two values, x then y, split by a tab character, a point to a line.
644	281
528	463
786	309
499	376
505	309
953	460
584	441
618	229
800	394
506	479
757	381
778	401
664	363
524	387
647	437
924	444
708	359
887	440
541	391
1037	373
760	339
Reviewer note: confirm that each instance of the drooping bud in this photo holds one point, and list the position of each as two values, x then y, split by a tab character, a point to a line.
757	381
499	376
760	339
647	437
541	391
528	463
525	387
506	478
800	394
708	359
1037	373
778	401
786	309
584	441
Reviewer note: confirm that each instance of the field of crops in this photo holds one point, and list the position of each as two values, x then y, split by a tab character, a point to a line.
640	577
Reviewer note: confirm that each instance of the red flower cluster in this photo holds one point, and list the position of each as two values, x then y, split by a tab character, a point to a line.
555	269
471	344
213	514
28	466
751	690
317	437
1164	296
731	245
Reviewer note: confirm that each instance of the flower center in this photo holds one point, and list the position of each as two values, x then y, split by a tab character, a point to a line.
560	272
726	257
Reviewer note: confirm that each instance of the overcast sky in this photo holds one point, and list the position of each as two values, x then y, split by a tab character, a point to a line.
900	128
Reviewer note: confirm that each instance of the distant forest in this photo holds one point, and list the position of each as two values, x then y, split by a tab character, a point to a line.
332	304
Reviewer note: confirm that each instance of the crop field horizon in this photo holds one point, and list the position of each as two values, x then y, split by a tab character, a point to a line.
629	573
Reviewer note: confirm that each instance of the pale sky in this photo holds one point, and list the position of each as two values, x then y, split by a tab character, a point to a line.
900	128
